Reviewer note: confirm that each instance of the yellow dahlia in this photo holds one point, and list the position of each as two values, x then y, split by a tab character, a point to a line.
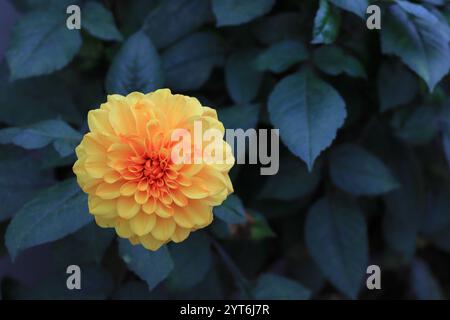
126	166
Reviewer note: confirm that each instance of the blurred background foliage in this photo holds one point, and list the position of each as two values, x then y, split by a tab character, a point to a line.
364	119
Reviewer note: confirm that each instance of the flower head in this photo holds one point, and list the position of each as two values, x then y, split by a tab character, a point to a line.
135	182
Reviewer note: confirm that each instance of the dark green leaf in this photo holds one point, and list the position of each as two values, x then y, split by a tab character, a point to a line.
417	126
334	61
99	22
446	143
356	171
437	222
358	7
390	93
96	284
151	266
41	43
291	182
326	24
188	64
20	179
192	260
87	245
231	211
308	112
259	228
39	135
281	56
424	284
416	36
235	12
40	100
336	237
405	205
239	116
51	215
173	19
278	27
136	67
275	287
241	77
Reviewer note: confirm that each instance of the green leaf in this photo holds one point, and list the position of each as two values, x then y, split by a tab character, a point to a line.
336	238
231	211
358	7
424	284
51	215
20	179
151	266
326	24
415	35
357	171
136	67
236	12
291	182
188	64
99	22
334	61
41	134
437	221
174	19
275	287
281	56
259	227
41	44
308	112
390	94
192	261
241	77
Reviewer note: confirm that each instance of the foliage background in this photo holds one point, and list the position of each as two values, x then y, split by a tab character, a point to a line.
367	111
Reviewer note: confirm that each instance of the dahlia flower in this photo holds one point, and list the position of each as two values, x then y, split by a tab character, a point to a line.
134	183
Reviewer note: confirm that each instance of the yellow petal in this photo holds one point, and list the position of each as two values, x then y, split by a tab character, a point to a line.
98	121
102	207
112	176
150	206
198	190
163	211
180	234
150	243
179	198
105	222
127	207
108	190
141	197
163	229
183	219
123	229
142	223
128	188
